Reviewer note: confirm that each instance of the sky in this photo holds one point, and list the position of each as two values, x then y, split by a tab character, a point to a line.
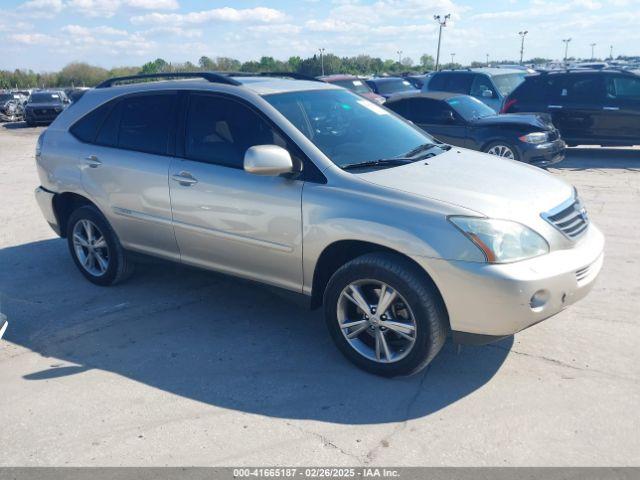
45	35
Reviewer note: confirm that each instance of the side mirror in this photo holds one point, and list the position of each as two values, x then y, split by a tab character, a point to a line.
487	93
267	160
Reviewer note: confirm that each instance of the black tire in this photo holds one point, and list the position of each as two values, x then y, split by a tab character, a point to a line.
432	324
119	266
488	147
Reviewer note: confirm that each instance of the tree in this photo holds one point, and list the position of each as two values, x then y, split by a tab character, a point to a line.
159	65
427	62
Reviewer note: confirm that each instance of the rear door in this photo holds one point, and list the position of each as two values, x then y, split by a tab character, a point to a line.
225	218
125	167
621	109
575	102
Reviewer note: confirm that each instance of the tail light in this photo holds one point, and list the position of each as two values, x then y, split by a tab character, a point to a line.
508	104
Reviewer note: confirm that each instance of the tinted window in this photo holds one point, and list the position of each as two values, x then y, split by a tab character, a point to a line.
459	83
355	85
394	86
220	131
579	88
48	97
401	107
146	121
87	127
438	82
108	134
623	88
470	108
347	128
426	110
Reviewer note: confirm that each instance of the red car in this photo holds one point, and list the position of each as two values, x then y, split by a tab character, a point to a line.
355	84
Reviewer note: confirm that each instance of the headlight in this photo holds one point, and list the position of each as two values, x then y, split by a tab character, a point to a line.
501	241
535	137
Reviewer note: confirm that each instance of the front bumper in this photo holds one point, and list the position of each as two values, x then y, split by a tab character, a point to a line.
44	116
3	324
45	202
490	301
544	154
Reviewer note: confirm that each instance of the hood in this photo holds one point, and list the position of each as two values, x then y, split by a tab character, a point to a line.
489	185
540	121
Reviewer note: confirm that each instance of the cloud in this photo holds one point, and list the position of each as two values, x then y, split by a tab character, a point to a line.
41	8
108	8
31	39
225	14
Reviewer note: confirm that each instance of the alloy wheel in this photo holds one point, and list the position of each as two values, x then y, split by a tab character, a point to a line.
502	151
376	321
91	247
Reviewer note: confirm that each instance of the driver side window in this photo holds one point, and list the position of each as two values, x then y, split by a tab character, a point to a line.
480	85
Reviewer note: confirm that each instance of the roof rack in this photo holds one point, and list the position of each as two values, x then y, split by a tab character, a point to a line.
209	76
294	75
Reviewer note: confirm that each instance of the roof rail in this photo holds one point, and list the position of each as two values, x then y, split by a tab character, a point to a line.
294	75
209	76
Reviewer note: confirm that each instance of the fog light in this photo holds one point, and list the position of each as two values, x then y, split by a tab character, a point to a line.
539	300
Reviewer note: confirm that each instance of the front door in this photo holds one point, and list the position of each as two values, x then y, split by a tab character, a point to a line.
225	218
438	119
621	109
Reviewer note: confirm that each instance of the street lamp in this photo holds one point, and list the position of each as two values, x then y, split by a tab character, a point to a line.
566	48
399	52
522	34
592	54
452	57
487	59
611	52
442	22
322	50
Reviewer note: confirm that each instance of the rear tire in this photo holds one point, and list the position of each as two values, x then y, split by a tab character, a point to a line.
95	248
413	326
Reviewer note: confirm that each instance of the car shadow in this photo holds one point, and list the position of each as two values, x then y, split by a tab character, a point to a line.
214	339
15	125
578	158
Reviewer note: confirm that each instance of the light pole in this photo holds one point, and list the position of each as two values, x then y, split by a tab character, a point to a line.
566	48
522	34
399	52
487	59
321	50
442	22
611	52
592	54
453	55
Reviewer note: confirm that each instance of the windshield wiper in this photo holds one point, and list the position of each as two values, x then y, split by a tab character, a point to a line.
426	147
382	162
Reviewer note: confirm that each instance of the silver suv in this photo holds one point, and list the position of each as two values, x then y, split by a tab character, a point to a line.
306	186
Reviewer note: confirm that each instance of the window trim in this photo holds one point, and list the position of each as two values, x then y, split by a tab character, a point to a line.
310	171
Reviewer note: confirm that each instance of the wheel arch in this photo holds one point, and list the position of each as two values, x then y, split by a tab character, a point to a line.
342	251
64	204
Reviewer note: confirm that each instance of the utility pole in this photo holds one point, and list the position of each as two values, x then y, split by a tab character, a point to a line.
322	59
566	48
453	55
399	52
611	52
592	54
522	34
487	59
442	22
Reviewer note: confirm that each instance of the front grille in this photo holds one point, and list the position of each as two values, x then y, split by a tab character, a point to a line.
570	218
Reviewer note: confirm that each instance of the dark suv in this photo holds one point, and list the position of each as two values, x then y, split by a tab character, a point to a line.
592	107
44	106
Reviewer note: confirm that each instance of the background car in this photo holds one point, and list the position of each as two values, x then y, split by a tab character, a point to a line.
466	122
599	107
11	107
489	85
355	84
388	86
417	81
44	106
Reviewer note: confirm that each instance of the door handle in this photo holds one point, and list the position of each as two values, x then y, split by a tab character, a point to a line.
93	161
184	178
615	109
555	107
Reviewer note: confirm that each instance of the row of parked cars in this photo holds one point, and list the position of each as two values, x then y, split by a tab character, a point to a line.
522	115
36	107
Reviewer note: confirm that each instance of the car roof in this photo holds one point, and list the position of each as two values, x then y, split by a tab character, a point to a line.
491	71
384	79
432	95
338	76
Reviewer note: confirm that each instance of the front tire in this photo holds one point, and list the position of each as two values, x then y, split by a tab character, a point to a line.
384	315
95	248
502	149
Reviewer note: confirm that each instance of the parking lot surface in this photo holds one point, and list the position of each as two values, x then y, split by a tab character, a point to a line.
183	367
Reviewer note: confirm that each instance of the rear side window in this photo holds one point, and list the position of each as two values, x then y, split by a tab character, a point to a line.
146	122
624	88
425	110
460	83
438	82
108	134
576	88
220	131
87	127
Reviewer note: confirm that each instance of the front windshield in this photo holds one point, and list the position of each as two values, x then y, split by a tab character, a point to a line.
5	96
347	128
394	86
470	108
507	83
354	85
45	98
